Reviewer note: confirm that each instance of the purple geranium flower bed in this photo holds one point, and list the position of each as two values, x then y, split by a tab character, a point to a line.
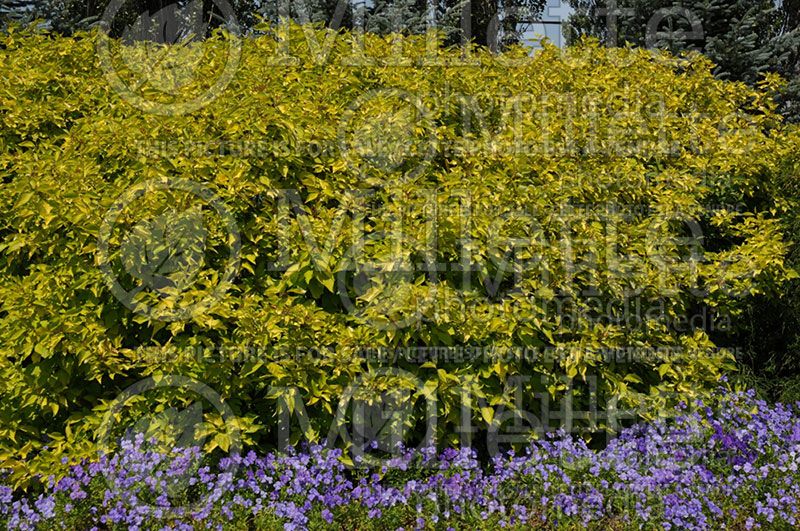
734	465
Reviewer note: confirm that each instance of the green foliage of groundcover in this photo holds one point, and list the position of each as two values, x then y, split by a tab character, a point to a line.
406	197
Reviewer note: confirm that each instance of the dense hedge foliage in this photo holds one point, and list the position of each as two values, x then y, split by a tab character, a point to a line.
744	39
768	332
730	466
505	202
